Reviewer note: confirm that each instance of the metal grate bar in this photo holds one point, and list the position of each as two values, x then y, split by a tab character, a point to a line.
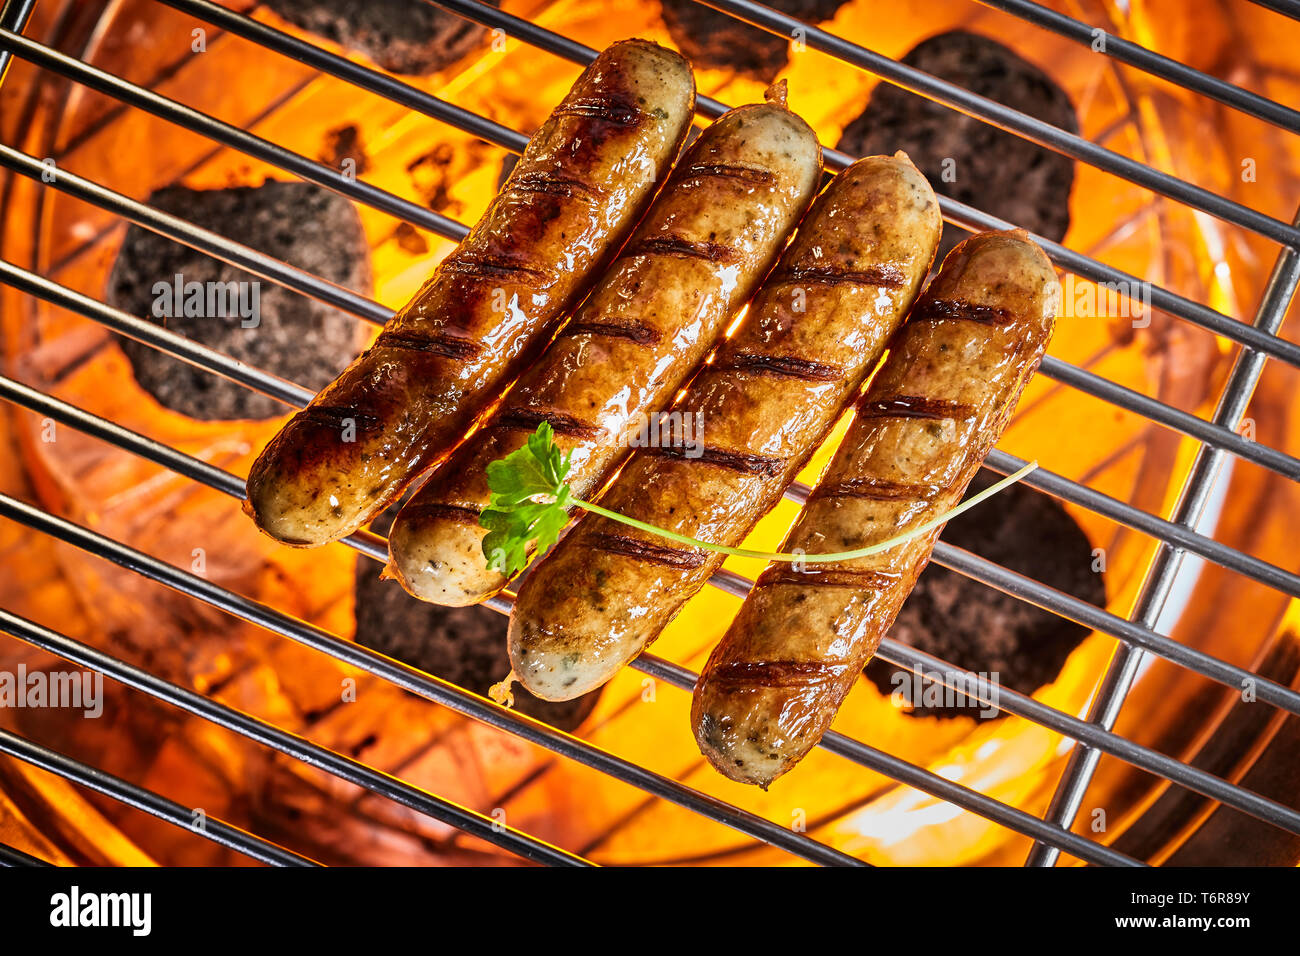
156	336
291	745
417	682
917	777
196	237
151	803
374	81
12	856
1214	433
1153	762
1163	529
1148	760
227	135
1013	121
1020	586
1288	8
308	284
958	213
478	708
961	561
1120	674
220	480
955	212
14	15
1151	62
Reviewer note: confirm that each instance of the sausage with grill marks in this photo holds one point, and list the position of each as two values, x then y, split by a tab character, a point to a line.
710	237
934	410
814	331
580	187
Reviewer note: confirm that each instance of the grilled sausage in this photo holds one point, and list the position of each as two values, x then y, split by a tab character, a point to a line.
580	187
953	376
709	239
768	400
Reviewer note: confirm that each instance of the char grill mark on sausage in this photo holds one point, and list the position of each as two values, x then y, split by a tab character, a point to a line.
776	673
336	416
787	366
855	578
527	419
614	111
877	489
629	329
935	310
448	346
750	174
682	248
914	406
460	513
554	186
885	276
489	267
766	466
645	551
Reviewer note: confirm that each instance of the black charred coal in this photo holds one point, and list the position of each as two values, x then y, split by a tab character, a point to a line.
401	36
280	331
964	158
463	645
985	631
713	40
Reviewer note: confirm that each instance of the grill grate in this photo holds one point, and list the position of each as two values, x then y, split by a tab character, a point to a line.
1136	635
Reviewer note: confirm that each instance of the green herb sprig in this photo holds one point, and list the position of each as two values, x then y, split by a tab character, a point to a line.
530	504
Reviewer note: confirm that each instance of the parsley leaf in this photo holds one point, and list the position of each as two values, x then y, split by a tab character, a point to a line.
530	502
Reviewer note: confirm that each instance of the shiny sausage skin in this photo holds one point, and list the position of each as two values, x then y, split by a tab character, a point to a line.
710	237
580	187
769	399
934	410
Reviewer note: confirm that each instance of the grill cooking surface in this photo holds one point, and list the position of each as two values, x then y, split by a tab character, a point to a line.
1138	634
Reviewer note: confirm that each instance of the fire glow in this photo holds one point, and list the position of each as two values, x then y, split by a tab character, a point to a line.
1114	332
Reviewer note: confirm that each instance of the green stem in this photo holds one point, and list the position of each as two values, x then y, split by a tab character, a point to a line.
816	558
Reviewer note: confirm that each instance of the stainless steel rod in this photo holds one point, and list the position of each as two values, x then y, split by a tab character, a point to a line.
424	685
1159	581
291	745
151	803
231	136
958	213
1136	55
156	336
196	237
1013	121
12	856
196	587
14	15
265	382
374	81
955	212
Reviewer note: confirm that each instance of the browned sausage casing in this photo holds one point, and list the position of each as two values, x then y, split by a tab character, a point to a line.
813	332
710	237
953	377
580	187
